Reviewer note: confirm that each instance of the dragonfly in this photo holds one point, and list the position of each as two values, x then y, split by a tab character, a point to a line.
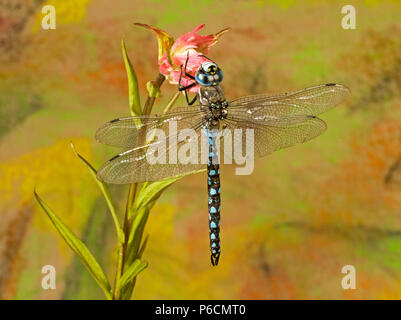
278	121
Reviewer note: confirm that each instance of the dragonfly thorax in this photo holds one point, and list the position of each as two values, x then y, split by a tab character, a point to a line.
209	95
214	113
213	103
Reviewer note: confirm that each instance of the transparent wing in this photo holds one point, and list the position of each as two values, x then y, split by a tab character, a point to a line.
310	101
131	131
137	165
272	135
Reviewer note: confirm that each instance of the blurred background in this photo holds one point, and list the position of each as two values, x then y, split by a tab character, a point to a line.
287	229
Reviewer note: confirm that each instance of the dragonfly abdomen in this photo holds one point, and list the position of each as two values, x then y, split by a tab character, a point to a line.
214	205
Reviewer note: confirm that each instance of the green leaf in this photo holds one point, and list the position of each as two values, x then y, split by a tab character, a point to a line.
106	193
133	91
146	198
136	232
143	246
134	269
79	248
152	191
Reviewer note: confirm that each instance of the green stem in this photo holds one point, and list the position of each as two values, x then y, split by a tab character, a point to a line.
123	246
147	109
122	251
117	290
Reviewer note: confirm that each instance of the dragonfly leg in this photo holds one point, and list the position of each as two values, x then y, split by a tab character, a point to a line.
185	68
189	75
182	88
192	101
186	93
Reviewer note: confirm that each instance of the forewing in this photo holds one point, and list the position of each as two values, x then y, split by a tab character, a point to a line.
310	101
270	137
130	132
134	166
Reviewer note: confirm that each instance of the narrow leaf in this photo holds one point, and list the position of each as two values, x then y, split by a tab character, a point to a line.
79	248
106	193
136	233
133	270
133	91
146	198
152	191
143	247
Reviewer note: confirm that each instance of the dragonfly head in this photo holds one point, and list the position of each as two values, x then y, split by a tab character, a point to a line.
209	74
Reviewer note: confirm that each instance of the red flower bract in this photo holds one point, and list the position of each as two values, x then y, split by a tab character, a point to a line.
173	54
172	73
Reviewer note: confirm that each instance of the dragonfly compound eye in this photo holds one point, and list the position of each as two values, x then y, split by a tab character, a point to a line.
203	79
209	74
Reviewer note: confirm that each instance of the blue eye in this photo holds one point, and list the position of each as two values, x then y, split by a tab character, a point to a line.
203	79
207	78
220	74
209	74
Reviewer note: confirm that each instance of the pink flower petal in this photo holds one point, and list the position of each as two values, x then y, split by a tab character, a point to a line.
191	46
191	40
